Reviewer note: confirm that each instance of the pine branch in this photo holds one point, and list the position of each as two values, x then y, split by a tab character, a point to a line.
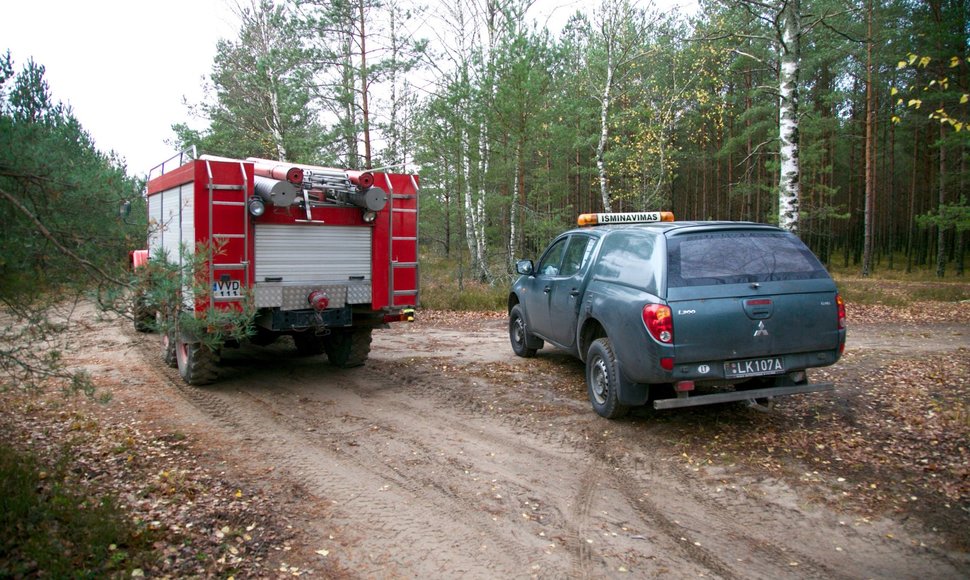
42	229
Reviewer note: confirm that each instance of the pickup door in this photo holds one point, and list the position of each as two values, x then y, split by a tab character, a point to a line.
747	294
552	296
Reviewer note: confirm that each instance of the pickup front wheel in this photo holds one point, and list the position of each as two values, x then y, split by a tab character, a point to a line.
523	343
602	380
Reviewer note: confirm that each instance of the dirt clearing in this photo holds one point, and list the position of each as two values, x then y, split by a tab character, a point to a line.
448	456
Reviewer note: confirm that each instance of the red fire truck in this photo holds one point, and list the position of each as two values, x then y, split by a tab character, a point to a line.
319	254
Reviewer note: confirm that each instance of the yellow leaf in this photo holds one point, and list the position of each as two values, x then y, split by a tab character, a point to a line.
925	61
912	58
964	99
899	102
915	103
238	493
894	91
954	61
896	120
901	64
958	127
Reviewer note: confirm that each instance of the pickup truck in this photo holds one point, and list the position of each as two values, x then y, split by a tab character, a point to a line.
679	313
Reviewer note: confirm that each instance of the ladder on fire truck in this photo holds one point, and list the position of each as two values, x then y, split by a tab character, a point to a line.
402	291
222	260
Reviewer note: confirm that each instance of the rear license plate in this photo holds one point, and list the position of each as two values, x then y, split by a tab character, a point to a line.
755	367
226	289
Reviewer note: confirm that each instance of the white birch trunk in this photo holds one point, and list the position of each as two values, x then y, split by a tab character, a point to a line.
274	124
471	229
514	207
604	135
789	183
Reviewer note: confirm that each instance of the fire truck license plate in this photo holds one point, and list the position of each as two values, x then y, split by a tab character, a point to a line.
755	367
226	289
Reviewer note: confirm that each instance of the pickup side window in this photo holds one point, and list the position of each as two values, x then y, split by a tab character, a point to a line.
566	256
549	264
577	254
706	259
631	260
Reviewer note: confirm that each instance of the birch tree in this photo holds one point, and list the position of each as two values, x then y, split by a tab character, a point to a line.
259	102
789	67
618	32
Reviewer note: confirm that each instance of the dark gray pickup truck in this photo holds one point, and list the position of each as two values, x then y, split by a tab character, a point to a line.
680	313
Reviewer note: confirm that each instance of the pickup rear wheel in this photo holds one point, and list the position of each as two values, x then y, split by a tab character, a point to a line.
602	380
523	343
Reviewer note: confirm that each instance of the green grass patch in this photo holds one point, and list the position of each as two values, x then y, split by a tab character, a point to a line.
942	292
49	528
876	290
446	285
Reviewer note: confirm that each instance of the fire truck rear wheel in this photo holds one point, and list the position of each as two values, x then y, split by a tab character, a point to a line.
196	362
143	314
348	348
168	349
308	343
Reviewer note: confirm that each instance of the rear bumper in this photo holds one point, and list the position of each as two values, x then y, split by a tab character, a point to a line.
698	400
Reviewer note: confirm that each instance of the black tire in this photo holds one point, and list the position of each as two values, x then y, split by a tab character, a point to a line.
264	337
348	348
143	314
523	343
308	343
602	380
196	362
168	349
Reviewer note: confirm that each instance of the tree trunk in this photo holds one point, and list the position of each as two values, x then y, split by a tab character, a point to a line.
518	200
365	112
789	179
870	151
604	136
941	229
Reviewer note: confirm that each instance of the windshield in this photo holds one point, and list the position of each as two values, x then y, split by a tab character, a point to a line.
705	259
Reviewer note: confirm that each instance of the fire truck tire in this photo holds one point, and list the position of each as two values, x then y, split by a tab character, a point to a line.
196	363
308	343
168	349
143	314
348	348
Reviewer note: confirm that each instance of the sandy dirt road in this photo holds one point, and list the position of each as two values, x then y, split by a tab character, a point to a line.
446	456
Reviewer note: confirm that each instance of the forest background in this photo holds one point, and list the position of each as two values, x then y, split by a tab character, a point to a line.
847	122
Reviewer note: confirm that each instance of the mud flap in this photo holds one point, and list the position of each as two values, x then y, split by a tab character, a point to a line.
629	392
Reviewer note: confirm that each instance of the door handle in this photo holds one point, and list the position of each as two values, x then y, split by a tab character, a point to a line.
547	289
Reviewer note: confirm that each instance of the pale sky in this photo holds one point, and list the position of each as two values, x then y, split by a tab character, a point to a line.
124	66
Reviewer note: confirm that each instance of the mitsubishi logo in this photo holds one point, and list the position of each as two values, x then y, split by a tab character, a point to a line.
761	329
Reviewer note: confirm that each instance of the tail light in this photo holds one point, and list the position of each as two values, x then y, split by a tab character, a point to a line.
841	306
318	300
659	323
405	315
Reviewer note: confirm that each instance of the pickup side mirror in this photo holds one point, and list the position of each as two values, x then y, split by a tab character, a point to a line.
525	267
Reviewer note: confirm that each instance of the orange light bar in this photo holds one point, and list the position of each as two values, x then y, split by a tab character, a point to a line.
639	217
